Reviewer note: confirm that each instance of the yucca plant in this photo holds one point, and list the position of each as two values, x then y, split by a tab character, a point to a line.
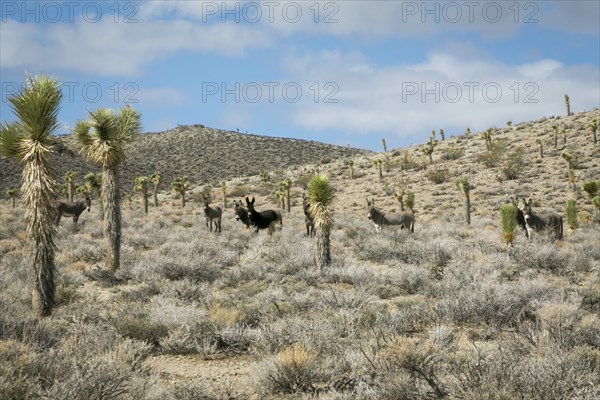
508	223
592	188
12	193
384	145
399	195
442	135
571	214
464	186
102	139
224	193
350	164
568	104
596	204
180	187
142	184
410	201
320	197
70	182
156	179
83	191
287	185
555	130
280	195
379	165
593	125
428	148
487	136
571	176
539	142
29	140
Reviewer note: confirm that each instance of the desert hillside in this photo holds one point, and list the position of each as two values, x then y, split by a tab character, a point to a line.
201	153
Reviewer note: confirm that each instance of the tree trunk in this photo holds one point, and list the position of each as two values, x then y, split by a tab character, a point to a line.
323	256
14	201
40	218
594	133
468	208
287	199
541	151
155	196
183	198
146	203
70	191
112	226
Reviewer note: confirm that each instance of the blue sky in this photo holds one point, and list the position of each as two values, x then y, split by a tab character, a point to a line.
341	72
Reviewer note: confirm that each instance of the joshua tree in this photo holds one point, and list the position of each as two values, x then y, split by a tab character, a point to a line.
29	141
350	164
180	186
320	198
12	193
94	182
287	185
224	193
564	134
70	181
399	194
464	186
487	135
280	194
429	146
571	175
83	190
410	201
538	141
568	156
596	204
141	184
592	188
555	130
156	179
571	214
509	124
384	145
508	223
568	104
442	136
102	139
593	125
379	165
468	132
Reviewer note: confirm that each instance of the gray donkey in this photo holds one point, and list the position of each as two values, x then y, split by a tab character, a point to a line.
537	223
71	209
212	214
405	219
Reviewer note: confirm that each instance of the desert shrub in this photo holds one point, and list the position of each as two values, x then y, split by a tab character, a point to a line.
294	369
138	327
453	153
541	256
438	175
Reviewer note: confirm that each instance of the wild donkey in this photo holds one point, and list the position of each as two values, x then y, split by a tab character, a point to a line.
71	209
241	213
535	223
262	219
308	220
520	217
405	219
212	214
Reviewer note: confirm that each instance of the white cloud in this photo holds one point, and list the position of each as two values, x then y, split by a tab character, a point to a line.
159	97
444	92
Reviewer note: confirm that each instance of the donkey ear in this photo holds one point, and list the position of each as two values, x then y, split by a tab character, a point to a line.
530	202
524	201
368	202
253	199
247	199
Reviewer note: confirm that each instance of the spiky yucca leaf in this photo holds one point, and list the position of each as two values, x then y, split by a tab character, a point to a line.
508	223
10	140
410	201
571	213
463	185
320	196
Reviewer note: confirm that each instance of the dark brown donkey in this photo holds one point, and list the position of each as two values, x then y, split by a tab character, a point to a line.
262	219
552	223
71	209
241	213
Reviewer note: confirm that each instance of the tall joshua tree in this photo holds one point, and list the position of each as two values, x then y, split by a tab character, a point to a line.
593	125
429	147
224	193
384	145
141	184
180	186
555	130
70	182
12	193
538	141
568	104
464	186
487	135
102	139
350	164
287	185
156	179
320	197
29	141
442	135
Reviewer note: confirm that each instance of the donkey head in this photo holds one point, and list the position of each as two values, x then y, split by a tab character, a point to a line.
250	205
238	209
370	205
88	203
206	200
527	211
